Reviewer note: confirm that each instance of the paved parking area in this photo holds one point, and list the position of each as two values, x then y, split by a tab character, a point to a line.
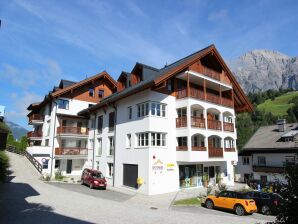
28	200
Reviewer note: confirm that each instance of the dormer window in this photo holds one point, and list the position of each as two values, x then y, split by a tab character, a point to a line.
101	93
91	92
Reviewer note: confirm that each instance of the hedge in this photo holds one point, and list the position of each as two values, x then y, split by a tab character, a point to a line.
4	164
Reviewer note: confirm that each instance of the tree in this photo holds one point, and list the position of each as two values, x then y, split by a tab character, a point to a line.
245	129
289	211
23	143
10	139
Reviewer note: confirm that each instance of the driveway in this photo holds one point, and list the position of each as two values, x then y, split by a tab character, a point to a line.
26	199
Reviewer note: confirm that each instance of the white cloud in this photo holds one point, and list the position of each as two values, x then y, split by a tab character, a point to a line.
218	16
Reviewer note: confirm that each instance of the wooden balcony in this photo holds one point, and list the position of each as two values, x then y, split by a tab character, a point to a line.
181	122
214	124
36	118
228	126
268	169
215	152
72	130
181	148
213	98
71	151
230	149
34	134
209	72
198	122
181	93
197	93
227	102
198	148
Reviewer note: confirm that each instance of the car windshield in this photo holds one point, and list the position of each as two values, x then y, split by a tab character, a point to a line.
97	175
244	195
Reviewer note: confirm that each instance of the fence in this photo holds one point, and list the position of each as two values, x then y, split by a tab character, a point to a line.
35	163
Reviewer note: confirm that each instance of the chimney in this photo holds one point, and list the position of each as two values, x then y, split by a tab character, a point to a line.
281	125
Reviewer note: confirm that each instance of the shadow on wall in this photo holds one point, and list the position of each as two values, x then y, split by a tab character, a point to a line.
15	209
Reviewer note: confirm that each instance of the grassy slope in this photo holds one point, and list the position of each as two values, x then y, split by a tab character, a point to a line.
279	105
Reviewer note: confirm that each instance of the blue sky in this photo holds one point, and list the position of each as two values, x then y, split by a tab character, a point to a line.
44	41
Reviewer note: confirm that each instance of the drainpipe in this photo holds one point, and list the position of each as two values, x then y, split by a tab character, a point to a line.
53	142
114	153
93	154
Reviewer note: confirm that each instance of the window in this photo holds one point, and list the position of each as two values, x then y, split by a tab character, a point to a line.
57	164
90	105
97	165
101	93
158	139
143	139
143	109
169	85
111	146
63	104
47	142
181	112
45	164
99	123
92	123
158	109
111	121
245	160
261	160
128	141
290	160
129	113
91	92
99	148
91	143
182	141
110	169
48	127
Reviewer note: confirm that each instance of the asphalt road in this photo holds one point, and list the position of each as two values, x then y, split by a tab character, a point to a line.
26	199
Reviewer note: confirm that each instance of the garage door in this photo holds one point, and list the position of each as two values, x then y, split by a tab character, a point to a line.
130	175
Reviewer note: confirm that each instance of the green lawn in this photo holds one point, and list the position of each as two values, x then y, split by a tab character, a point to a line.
188	201
279	105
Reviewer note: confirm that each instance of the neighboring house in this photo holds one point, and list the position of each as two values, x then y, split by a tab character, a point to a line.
265	155
59	136
2	112
165	129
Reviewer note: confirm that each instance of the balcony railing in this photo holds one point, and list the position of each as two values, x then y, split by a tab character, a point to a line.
227	102
215	152
181	148
198	148
213	98
34	134
36	117
197	93
268	169
71	151
182	93
181	122
72	130
214	124
209	72
198	122
228	126
230	150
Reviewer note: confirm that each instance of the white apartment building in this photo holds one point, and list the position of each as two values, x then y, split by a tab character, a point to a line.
170	128
269	150
59	140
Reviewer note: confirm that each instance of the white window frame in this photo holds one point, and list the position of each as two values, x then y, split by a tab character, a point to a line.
99	147
128	141
110	169
111	147
245	160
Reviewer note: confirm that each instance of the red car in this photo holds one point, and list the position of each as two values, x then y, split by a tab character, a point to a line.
94	179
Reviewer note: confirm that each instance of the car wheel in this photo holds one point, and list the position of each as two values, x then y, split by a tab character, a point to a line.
239	210
209	204
265	210
91	186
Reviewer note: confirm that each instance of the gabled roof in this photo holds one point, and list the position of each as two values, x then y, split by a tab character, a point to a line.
156	76
268	138
103	74
66	86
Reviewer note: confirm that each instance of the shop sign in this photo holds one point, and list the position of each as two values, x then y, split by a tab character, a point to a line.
170	166
157	166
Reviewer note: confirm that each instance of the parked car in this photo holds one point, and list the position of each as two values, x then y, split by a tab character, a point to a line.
238	202
267	203
94	179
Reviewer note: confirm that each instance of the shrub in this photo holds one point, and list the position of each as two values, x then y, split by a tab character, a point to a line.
58	175
46	177
222	187
4	164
